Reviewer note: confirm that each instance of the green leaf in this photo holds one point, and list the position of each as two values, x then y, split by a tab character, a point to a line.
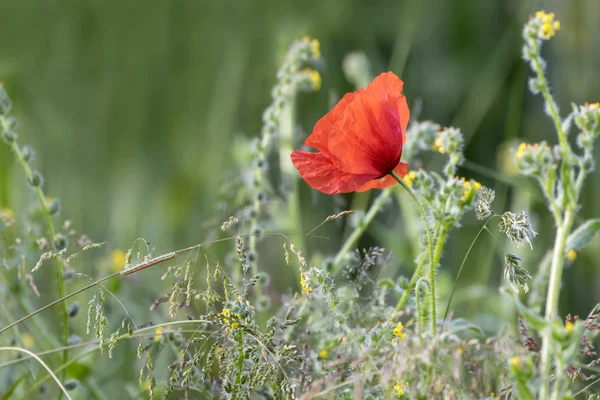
534	319
12	388
79	371
583	235
462	324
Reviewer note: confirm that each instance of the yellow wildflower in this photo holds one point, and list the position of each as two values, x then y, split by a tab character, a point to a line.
7	213
323	353
315	48
409	178
400	387
303	283
119	259
569	326
157	333
549	26
437	146
394	341
28	340
571	256
398	331
520	150
515	361
315	78
235	325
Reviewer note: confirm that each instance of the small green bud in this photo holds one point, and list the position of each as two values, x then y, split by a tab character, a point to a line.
74	310
263	303
69	274
9	136
71	384
9	123
54	207
264	278
36	179
60	242
27	153
73	340
5	103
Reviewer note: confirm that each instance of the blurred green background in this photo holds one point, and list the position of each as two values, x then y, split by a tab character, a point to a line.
139	111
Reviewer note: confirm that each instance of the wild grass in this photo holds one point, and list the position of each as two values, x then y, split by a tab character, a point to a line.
353	323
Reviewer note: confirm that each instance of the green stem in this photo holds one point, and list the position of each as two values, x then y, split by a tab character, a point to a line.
55	302
460	271
411	284
40	381
349	244
51	374
52	233
238	378
562	137
552	300
425	220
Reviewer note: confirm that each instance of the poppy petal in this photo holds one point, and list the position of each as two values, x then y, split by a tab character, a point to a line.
388	82
381	183
368	138
319	171
319	137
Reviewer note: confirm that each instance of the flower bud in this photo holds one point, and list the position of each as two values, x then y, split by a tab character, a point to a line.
27	153
36	179
73	340
69	274
73	310
54	207
71	384
9	136
60	242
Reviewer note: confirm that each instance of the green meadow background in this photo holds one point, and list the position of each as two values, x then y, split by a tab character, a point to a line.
141	113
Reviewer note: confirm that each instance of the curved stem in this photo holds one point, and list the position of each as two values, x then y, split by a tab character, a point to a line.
429	247
460	270
60	385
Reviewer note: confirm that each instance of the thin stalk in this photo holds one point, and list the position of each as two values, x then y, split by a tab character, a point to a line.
460	271
415	199
349	244
558	259
55	302
238	378
43	364
411	284
79	356
52	233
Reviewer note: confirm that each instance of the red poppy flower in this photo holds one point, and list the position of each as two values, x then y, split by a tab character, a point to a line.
360	140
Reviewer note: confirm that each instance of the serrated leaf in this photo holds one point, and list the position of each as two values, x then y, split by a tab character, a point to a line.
581	236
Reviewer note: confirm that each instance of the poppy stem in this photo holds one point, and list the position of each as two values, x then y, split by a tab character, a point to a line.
429	248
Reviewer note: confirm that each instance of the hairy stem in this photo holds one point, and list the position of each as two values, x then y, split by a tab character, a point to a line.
238	378
558	259
52	233
552	109
429	247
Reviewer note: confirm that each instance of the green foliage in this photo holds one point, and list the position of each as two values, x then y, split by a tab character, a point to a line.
251	312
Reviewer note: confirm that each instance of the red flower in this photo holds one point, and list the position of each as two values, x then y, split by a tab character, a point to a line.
360	140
